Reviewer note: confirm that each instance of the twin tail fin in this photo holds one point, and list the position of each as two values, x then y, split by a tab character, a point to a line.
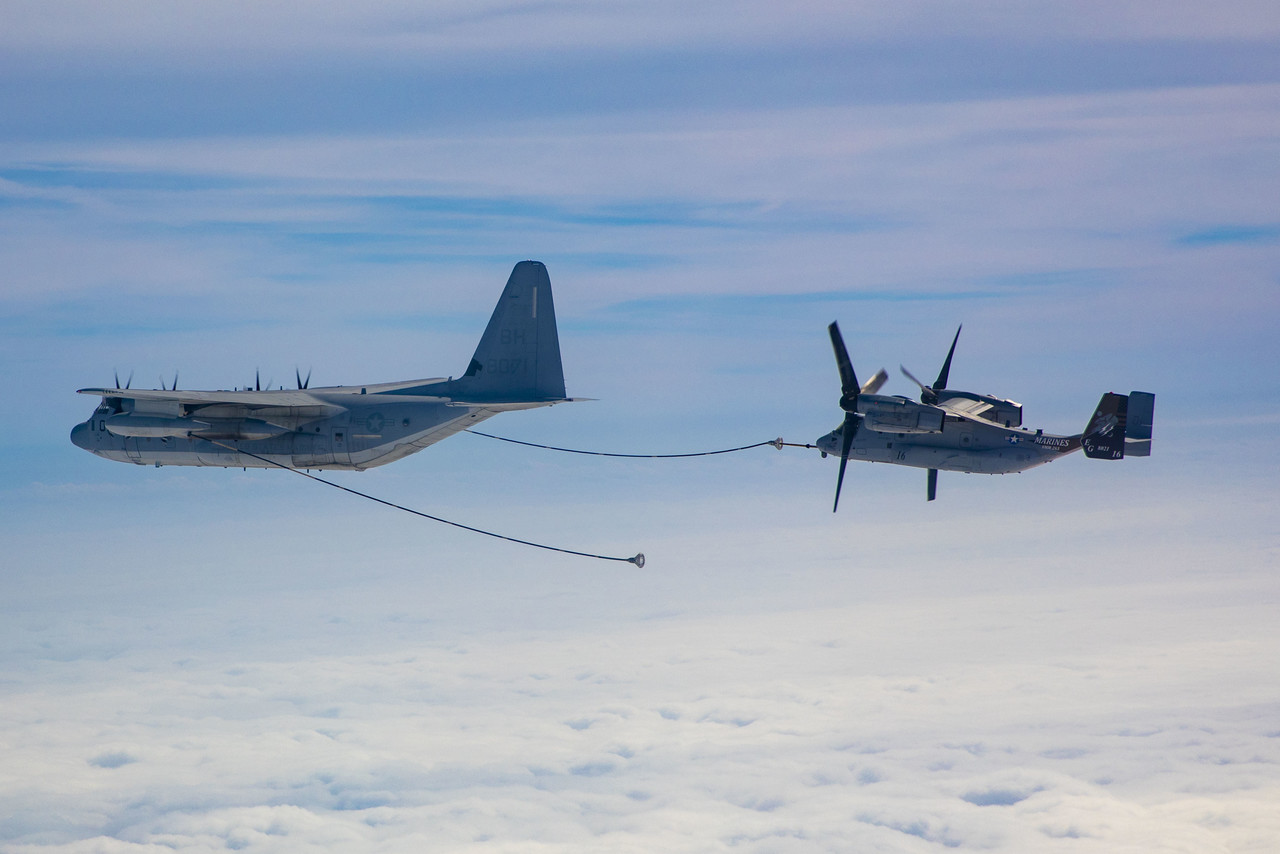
1120	426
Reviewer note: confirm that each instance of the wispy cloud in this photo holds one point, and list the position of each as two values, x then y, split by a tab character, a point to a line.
255	68
1078	657
1229	234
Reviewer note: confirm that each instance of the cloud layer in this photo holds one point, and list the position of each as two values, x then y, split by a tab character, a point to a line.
1091	721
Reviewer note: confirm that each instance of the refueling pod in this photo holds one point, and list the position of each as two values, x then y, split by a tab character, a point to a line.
153	426
143	426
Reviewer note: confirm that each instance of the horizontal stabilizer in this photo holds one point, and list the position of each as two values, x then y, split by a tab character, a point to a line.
513	405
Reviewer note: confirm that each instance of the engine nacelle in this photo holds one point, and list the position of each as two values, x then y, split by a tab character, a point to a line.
899	415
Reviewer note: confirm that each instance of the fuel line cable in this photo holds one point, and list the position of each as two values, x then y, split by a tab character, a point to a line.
637	560
777	443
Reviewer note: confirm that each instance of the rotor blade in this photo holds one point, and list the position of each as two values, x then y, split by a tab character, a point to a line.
912	377
848	379
927	395
933	484
847	430
941	382
873	385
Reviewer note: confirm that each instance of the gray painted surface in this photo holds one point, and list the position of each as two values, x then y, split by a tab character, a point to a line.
961	431
516	366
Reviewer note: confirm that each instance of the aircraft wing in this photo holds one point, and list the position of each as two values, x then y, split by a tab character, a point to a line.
330	398
206	398
966	408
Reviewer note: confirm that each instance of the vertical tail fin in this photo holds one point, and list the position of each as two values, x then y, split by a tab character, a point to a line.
1137	428
1103	439
518	357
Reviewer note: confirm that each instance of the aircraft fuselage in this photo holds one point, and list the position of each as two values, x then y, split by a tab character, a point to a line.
962	444
515	366
364	431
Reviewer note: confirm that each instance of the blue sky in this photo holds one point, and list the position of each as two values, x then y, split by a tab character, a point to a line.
1077	658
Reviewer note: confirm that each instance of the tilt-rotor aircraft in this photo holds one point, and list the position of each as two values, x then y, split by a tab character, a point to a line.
516	366
951	430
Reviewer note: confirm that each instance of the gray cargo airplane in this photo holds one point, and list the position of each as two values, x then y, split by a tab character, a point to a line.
966	432
516	366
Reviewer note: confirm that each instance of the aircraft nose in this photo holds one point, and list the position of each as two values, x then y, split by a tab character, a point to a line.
80	435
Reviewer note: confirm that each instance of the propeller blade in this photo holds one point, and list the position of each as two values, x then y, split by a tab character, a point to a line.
933	484
257	380
297	375
129	381
927	395
872	385
162	385
175	380
847	431
848	379
941	382
307	382
912	377
117	373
